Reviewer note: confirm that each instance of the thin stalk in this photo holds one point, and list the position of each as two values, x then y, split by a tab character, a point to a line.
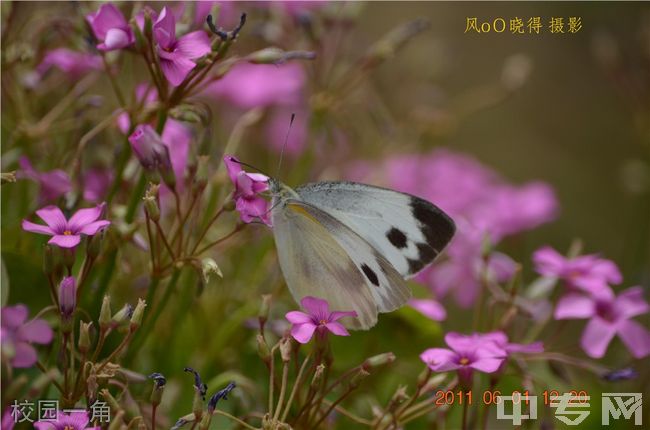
296	386
211	244
283	388
333	405
44	370
234	418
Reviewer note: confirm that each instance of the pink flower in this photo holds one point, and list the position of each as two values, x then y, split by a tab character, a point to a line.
176	55
500	339
18	335
249	85
588	273
429	308
67	233
248	186
53	184
609	316
74	420
73	63
466	354
318	318
110	28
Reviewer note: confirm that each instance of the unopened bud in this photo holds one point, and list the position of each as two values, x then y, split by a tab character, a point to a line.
136	318
105	313
263	349
84	336
67	298
152	209
208	268
158	388
148	24
8	177
186	113
318	376
140	41
285	349
265	308
378	360
386	47
358	377
123	315
274	55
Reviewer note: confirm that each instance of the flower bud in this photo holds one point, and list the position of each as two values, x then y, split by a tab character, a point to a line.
208	268
140	41
84	336
158	388
274	55
67	301
285	349
148	24
105	313
378	360
136	317
150	150
8	177
123	315
221	394
186	113
200	389
318	376
263	349
358	377
265	307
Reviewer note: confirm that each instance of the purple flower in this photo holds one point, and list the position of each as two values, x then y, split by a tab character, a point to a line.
17	335
318	317
176	55
249	85
74	420
67	233
429	308
110	28
248	186
609	316
53	184
466	354
67	296
73	63
588	273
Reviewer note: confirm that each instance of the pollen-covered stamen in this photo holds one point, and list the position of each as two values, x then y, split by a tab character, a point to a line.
67	233
464	361
322	322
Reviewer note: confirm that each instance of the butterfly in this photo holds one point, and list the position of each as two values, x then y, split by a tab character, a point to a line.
354	244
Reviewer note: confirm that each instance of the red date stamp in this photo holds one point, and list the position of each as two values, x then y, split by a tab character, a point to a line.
489	397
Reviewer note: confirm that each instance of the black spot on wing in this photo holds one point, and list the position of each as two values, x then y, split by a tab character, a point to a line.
370	274
415	265
436	226
397	238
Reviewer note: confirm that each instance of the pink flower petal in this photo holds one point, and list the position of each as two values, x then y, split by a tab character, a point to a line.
429	308
303	332
175	67
335	316
37	228
25	355
94	227
530	348
83	217
337	329
116	38
574	306
165	28
193	45
631	302
635	337
65	241
597	336
297	317
232	166
487	365
37	331
14	316
316	307
108	16
440	359
548	262
53	217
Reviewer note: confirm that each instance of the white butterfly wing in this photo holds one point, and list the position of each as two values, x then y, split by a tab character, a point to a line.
322	257
407	230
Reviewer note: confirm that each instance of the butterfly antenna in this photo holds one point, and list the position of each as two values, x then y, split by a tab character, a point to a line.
250	166
284	145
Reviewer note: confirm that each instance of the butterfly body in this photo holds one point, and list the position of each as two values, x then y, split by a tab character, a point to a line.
354	244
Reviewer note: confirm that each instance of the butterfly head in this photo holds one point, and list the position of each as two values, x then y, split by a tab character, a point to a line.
280	190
